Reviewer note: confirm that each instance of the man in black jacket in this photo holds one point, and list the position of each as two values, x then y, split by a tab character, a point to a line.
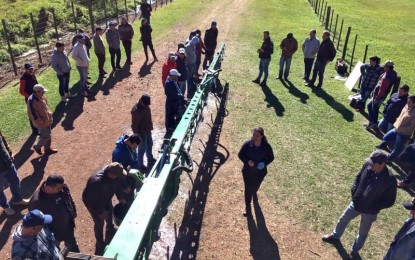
326	54
264	54
97	197
54	198
393	108
374	189
210	40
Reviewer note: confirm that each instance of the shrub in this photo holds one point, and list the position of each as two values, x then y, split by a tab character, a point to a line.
4	57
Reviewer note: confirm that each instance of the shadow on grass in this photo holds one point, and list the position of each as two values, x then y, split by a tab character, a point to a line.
25	152
187	239
346	113
262	244
145	69
273	101
295	91
8	225
341	250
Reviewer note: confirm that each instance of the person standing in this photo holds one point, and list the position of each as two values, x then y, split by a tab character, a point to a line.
310	48
374	189
403	245
142	124
97	197
60	63
27	82
126	34
393	108
256	154
99	50
113	39
199	51
288	46
33	240
264	53
145	10
8	171
55	199
190	48
381	91
182	69
326	53
80	55
145	31
370	76
211	41
41	116
87	41
168	65
125	151
174	97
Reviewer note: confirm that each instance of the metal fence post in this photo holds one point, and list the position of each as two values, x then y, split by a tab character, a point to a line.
6	35
328	17
321	10
335	28
74	16
349	29
316	7
354	48
55	24
340	34
323	13
34	34
365	55
331	18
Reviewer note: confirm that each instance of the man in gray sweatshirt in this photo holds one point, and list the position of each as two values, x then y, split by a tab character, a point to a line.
113	40
310	48
99	50
190	49
60	63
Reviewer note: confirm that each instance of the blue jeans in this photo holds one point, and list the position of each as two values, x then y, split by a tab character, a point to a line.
308	64
191	87
364	94
63	83
83	74
373	110
366	221
384	125
287	62
11	176
399	142
319	68
146	146
263	68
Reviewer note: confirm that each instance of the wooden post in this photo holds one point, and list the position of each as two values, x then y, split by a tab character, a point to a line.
365	55
331	18
328	17
323	13
74	16
34	34
55	24
335	28
354	48
91	15
155	4
316	6
105	13
126	11
116	9
9	47
340	34
349	29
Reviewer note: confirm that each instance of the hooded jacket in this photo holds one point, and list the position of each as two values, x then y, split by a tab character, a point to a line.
39	112
126	32
80	55
394	107
268	49
181	67
60	62
288	46
113	38
190	48
141	122
125	155
165	70
326	52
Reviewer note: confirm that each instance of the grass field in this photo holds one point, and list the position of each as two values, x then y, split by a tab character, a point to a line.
319	141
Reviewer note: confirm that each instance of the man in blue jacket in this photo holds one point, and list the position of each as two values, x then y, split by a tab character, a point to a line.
125	151
374	189
393	109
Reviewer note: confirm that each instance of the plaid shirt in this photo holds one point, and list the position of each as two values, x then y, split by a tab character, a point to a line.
39	247
370	75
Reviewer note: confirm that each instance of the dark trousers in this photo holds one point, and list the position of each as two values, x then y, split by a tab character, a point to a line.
70	241
34	129
252	183
410	177
101	62
115	58
127	48
172	108
373	110
149	44
99	221
308	64
319	68
198	61
147	17
208	57
64	83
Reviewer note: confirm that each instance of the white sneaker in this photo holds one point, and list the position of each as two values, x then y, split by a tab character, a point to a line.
69	95
64	99
9	211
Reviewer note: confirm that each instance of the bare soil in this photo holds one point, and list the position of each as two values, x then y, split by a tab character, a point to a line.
205	221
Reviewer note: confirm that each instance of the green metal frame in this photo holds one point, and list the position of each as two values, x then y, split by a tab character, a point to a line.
139	229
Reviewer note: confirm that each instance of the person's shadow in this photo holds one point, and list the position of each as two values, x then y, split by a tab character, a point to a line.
295	91
262	244
113	78
145	69
346	113
273	101
73	110
25	152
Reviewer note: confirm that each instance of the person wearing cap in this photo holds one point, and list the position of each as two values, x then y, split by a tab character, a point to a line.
370	74
190	48
41	117
145	10
264	53
87	41
142	125
99	50
326	53
80	55
211	41
393	108
97	197
61	65
182	69
9	173
404	128
310	48
174	98
113	39
146	40
126	35
408	157
200	49
403	245
381	91
125	151
27	82
168	65
32	239
288	47
373	190
54	198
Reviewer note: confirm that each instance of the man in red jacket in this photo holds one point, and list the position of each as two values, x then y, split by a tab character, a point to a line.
27	82
168	65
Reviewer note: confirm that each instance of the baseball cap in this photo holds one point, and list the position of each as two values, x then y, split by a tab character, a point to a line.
28	66
182	50
36	218
39	87
171	55
59	44
388	63
80	37
174	72
377	157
